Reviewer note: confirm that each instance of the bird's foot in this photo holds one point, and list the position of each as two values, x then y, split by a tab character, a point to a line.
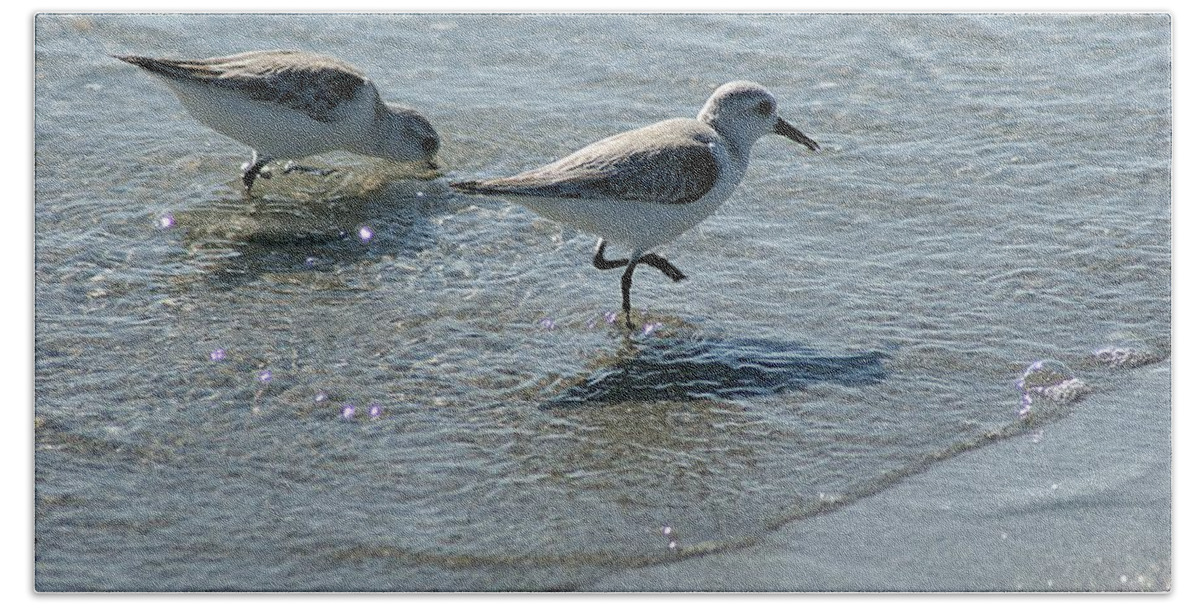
663	266
254	169
292	167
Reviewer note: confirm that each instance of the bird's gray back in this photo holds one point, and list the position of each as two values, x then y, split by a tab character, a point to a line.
672	161
306	82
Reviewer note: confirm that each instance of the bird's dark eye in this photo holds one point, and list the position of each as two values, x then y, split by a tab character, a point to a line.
766	108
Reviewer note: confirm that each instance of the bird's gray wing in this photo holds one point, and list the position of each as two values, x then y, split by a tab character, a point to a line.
306	82
670	162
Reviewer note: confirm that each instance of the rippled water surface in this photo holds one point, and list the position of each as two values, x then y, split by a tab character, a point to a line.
992	191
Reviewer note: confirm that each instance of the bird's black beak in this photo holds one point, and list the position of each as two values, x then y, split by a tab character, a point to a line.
784	128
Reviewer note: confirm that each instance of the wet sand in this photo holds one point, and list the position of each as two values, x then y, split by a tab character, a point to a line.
1083	506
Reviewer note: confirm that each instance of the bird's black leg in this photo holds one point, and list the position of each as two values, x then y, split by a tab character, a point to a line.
252	170
292	167
626	279
602	264
652	259
663	266
626	283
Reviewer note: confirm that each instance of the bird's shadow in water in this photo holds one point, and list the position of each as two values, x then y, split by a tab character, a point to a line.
237	241
702	368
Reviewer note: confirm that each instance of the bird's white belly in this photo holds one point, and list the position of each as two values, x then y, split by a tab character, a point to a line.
640	226
274	131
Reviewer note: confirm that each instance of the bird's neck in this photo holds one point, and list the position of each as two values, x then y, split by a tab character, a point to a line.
369	135
740	141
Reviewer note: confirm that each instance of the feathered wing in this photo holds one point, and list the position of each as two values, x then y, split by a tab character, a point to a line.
306	82
668	162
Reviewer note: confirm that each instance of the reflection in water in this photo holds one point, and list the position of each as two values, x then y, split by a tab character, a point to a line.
689	368
289	234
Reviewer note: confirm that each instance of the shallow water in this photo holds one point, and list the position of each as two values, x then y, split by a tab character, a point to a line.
991	191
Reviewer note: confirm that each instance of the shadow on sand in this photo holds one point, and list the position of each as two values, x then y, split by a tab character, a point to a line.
694	368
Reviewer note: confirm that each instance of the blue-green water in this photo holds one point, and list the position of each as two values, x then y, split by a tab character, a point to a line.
991	191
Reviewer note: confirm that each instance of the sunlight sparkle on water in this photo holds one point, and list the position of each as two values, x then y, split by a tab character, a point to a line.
264	376
166	221
348	411
217	355
672	538
365	234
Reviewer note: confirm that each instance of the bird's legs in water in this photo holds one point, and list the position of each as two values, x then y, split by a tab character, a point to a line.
652	259
252	169
256	168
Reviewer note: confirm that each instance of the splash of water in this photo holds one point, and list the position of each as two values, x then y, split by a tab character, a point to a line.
1050	380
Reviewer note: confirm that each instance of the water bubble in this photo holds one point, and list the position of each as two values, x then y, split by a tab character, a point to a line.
1045	373
365	233
376	411
320	397
348	411
217	355
420	194
1026	406
166	221
310	261
1051	380
1125	357
672	538
264	376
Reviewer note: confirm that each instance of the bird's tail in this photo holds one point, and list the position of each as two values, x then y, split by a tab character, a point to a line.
474	186
162	67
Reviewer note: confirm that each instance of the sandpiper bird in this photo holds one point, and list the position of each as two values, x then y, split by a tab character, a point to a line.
292	104
644	187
